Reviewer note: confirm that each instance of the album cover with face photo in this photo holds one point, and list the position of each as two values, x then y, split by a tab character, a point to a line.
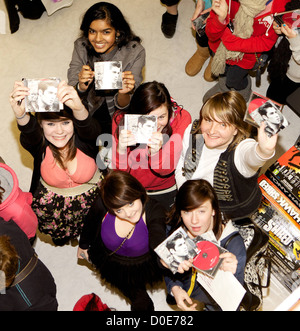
262	109
42	95
141	126
178	247
108	75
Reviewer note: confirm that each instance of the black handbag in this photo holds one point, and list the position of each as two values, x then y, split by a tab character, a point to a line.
260	64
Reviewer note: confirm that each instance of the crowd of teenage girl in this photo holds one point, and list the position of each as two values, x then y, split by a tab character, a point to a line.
199	174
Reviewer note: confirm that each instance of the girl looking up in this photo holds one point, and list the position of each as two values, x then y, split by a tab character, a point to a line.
106	36
121	231
222	153
65	175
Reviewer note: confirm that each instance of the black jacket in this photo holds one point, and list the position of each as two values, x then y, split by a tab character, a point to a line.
37	292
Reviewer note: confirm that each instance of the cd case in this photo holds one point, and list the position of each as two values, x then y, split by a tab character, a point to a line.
141	126
262	109
291	18
108	75
208	259
200	24
42	95
179	247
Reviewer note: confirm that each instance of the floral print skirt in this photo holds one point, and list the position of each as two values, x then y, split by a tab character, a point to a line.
61	215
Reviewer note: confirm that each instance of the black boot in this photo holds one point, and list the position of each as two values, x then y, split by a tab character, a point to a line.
168	25
14	20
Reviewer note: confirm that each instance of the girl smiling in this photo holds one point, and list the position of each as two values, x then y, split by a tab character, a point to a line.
106	36
121	231
153	164
222	153
65	174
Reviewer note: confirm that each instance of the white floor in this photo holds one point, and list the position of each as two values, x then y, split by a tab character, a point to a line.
43	48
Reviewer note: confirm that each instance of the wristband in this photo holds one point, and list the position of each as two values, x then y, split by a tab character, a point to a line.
19	118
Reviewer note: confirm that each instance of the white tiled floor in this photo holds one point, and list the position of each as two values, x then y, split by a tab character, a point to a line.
43	48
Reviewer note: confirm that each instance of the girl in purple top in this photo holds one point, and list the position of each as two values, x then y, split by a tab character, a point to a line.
121	231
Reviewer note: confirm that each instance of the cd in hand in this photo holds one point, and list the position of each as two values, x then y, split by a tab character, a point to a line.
207	257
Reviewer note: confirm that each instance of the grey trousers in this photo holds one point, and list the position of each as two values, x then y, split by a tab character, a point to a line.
222	87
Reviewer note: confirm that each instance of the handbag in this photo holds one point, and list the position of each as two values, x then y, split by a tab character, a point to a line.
258	264
260	64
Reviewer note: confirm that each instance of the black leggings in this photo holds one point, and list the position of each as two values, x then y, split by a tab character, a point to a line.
139	299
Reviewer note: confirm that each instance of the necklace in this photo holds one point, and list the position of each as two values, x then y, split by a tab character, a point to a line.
122	243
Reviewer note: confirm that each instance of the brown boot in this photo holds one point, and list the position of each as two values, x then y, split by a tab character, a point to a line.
195	63
208	76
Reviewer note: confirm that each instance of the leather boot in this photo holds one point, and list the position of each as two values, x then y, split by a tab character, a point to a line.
195	63
208	76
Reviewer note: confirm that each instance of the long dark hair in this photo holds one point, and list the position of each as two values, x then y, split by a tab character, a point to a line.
191	195
114	17
148	97
65	114
119	188
279	63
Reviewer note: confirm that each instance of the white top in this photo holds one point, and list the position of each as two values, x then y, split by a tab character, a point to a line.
246	160
293	71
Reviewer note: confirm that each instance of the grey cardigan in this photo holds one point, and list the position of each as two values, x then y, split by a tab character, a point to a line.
133	59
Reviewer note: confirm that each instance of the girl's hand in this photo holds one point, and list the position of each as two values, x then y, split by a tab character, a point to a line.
276	28
126	138
229	263
155	143
185	266
198	10
128	82
68	96
220	7
184	302
17	97
290	33
266	144
85	78
82	254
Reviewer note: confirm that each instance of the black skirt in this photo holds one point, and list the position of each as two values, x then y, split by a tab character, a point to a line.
125	272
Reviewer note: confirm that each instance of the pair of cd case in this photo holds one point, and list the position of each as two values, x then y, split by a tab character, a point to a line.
179	247
43	91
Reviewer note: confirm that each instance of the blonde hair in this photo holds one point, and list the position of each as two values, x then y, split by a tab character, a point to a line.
229	108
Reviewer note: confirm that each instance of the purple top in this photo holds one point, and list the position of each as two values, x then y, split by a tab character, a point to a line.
136	245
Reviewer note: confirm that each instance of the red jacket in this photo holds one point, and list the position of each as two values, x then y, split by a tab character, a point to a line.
262	39
155	173
17	206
